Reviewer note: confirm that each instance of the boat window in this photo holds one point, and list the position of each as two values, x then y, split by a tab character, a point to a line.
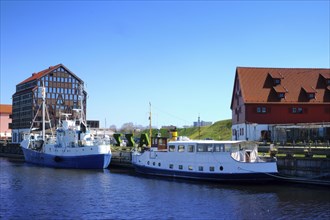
172	148
219	147
201	148
171	166
191	148
180	167
200	168
221	168
212	168
181	148
204	148
190	168
234	147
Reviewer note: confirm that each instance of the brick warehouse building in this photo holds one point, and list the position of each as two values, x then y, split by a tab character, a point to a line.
62	96
281	104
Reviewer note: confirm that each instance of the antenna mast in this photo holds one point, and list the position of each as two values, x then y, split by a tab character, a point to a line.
199	126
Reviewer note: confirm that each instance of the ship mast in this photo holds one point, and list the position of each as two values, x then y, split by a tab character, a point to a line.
150	132
43	95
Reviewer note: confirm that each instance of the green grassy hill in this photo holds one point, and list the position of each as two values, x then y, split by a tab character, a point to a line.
220	130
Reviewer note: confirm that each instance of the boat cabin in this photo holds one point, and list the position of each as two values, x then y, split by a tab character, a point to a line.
242	151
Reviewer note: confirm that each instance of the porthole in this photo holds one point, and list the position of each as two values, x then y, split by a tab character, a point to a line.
154	163
221	168
159	164
148	162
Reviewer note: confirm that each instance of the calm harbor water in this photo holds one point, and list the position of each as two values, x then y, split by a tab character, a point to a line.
31	192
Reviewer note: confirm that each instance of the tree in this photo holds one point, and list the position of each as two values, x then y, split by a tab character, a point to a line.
127	128
113	128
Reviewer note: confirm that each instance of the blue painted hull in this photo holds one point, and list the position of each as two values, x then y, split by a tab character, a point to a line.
97	161
223	177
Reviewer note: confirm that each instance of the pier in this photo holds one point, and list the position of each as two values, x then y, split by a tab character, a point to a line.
307	165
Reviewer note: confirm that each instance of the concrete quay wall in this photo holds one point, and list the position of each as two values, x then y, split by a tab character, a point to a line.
314	168
11	150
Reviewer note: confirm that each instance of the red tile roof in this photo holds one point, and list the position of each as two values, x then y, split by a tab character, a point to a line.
40	74
257	84
45	72
6	108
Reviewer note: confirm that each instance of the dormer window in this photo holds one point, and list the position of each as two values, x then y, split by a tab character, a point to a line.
326	77
311	95
280	91
277	82
276	76
310	92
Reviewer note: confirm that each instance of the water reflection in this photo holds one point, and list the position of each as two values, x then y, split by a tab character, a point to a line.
32	192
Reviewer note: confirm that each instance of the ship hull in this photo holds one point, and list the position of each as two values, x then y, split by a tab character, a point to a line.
93	161
217	177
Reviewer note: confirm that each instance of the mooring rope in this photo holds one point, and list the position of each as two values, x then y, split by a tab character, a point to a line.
293	178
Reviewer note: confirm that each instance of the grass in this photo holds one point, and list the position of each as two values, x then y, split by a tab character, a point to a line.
220	130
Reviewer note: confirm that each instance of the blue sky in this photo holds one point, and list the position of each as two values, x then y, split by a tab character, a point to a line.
179	55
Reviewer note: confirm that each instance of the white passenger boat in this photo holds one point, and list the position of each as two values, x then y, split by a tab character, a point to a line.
73	147
205	160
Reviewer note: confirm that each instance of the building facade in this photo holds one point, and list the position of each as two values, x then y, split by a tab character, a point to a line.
64	93
281	104
202	123
93	123
5	120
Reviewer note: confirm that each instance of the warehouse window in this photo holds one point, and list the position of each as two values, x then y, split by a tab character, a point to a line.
261	110
297	110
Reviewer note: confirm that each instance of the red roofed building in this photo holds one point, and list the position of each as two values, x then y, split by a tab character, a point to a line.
277	103
5	112
62	96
